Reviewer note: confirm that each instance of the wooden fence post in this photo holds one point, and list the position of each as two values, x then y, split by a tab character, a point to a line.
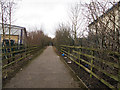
119	47
60	48
92	53
0	64
25	50
79	50
118	86
69	51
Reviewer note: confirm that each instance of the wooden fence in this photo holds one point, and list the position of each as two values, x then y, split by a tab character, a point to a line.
102	64
14	55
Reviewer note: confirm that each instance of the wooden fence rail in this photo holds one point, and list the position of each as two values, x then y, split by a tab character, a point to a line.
103	61
14	54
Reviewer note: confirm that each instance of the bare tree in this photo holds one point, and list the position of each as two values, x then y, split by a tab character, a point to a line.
11	7
7	8
76	20
38	38
3	13
63	36
100	23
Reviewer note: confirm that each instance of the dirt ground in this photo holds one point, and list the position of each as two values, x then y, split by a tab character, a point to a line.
46	71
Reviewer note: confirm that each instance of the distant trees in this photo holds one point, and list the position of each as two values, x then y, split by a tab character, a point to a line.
63	36
38	38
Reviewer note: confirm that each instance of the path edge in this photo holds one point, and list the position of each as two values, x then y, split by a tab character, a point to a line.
61	58
23	66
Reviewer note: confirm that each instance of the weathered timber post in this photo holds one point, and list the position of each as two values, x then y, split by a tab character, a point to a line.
119	47
21	49
92	53
69	51
79	56
60	49
0	64
26	49
118	86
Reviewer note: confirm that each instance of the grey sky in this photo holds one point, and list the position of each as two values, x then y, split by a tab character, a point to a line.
43	13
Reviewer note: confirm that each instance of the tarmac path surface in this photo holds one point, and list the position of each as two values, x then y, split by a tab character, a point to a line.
46	71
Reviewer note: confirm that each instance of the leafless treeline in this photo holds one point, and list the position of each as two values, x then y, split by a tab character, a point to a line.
37	37
96	24
104	25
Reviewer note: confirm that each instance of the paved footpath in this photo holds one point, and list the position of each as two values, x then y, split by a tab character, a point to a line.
46	71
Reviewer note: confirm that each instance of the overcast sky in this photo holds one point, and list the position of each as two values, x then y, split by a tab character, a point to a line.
43	13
